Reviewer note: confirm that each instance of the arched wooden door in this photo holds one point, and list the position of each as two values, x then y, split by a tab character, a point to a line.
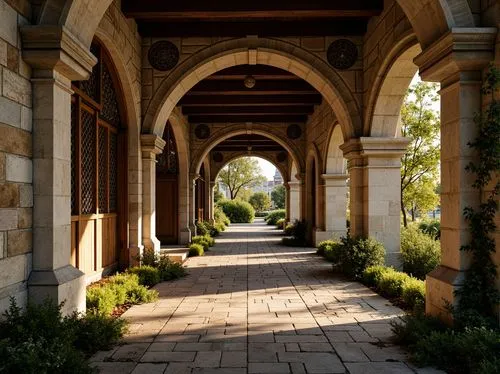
98	169
167	191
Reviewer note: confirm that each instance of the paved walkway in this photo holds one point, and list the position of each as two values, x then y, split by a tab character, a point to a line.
253	306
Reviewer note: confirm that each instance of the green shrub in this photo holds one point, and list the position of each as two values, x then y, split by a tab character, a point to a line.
289	229
220	217
220	227
196	250
431	227
201	240
210	240
119	289
323	245
40	340
280	223
413	294
334	252
238	211
392	282
148	275
469	351
274	215
414	327
205	228
298	232
168	269
353	255
373	274
261	214
420	253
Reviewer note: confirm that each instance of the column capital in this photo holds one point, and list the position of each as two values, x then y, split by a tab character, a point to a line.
375	147
335	180
460	49
151	145
49	47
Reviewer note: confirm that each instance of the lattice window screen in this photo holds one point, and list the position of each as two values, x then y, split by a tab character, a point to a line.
103	169
88	163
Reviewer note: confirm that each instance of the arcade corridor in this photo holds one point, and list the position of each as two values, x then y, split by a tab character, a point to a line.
253	306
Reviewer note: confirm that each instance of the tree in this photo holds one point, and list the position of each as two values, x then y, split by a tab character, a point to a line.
420	163
421	197
241	173
278	196
260	201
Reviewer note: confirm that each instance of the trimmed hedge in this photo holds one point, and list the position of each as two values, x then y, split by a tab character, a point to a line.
220	218
201	240
420	253
167	268
238	211
274	215
196	250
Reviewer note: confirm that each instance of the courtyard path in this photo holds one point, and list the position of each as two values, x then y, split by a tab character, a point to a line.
253	306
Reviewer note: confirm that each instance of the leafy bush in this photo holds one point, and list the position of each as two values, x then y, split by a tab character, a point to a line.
196	250
201	240
414	327
261	214
168	269
413	294
280	223
205	228
40	340
220	217
392	282
420	253
238	211
298	232
323	245
373	274
288	231
431	227
274	215
210	240
119	289
148	275
260	201
334	252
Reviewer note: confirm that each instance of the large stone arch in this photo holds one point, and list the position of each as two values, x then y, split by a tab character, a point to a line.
265	51
133	118
242	129
389	88
431	19
281	168
314	193
333	159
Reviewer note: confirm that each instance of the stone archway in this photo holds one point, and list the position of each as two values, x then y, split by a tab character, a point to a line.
254	50
389	89
314	198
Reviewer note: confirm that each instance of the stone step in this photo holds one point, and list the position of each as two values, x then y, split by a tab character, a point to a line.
176	254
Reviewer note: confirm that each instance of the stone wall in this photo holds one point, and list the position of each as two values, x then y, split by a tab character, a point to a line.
16	192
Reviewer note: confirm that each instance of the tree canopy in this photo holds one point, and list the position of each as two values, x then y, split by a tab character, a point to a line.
278	197
241	174
260	201
420	164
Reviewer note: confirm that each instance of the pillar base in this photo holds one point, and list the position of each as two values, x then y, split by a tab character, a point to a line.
185	236
134	255
66	284
152	244
440	287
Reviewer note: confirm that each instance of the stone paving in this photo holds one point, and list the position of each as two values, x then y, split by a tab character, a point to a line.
253	306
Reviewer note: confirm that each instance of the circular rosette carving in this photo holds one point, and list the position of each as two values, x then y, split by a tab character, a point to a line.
202	131
294	132
342	54
163	55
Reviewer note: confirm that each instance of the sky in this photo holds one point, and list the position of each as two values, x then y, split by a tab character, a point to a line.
268	169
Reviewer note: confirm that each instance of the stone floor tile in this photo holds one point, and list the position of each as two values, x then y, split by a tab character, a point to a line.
150	369
168	356
264	368
378	368
192	347
179	368
350	352
130	352
114	367
234	359
208	359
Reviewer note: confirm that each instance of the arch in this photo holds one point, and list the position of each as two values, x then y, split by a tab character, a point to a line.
271	52
258	129
389	89
430	19
314	194
262	155
334	158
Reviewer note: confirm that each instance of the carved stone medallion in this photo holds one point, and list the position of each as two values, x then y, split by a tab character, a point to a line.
163	55
342	54
294	132
202	131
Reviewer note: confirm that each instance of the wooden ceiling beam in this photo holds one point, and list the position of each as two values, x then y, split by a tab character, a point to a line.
249	100
247	118
216	87
200	110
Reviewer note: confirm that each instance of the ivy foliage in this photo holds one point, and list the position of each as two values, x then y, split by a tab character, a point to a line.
479	296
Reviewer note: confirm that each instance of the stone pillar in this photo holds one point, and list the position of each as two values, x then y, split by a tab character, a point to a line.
295	188
335	206
375	169
192	211
151	145
456	60
287	202
57	59
211	199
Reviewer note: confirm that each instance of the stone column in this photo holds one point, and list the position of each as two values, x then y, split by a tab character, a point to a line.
294	200
335	206
212	201
192	212
57	59
151	145
287	202
456	60
375	170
